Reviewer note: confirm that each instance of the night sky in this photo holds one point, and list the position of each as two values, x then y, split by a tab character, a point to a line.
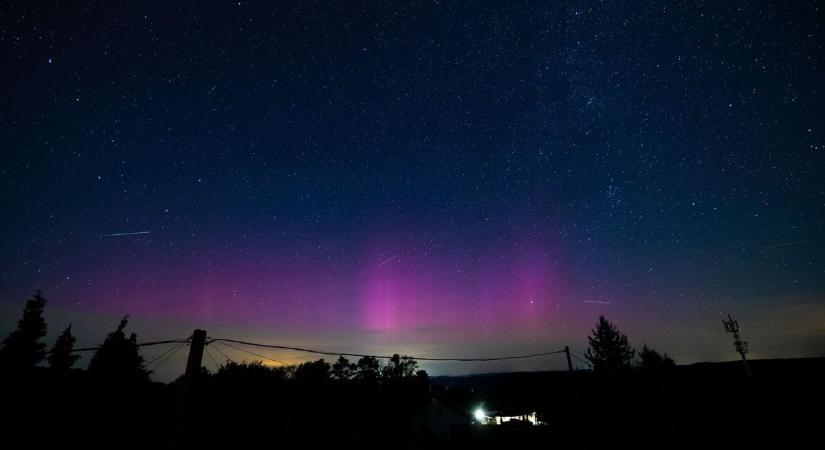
431	178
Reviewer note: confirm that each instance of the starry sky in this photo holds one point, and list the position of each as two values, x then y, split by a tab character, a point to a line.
429	177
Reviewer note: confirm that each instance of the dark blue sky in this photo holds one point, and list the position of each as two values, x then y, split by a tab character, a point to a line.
439	176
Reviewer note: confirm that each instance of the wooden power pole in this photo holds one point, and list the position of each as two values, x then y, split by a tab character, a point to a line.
193	364
569	363
183	426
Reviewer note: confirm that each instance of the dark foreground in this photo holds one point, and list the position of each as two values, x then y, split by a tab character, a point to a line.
697	406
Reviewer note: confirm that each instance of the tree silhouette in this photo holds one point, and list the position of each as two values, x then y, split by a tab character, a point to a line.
312	372
119	357
245	373
651	360
61	357
399	367
22	349
343	370
368	369
608	350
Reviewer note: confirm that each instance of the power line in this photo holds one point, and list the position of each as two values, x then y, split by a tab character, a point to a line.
169	356
219	351
580	360
255	354
228	342
360	355
547	362
140	344
206	349
170	349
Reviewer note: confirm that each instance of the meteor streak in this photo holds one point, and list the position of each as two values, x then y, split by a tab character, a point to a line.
396	256
790	244
131	233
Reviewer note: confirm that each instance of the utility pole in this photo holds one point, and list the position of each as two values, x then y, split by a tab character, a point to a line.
193	364
732	326
569	363
181	437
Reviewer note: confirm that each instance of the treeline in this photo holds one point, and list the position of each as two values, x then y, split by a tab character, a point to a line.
369	402
368	370
372	403
117	358
609	351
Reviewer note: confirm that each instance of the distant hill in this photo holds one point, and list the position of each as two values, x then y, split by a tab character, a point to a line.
760	368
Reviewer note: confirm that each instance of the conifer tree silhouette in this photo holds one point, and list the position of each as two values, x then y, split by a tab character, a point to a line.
22	349
609	350
118	358
61	357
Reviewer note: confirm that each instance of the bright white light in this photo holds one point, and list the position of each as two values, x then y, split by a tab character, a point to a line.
479	415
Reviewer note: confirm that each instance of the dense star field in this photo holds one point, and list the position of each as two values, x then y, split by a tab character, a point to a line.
432	178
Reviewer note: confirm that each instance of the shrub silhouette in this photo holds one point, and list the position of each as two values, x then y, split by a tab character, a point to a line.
650	359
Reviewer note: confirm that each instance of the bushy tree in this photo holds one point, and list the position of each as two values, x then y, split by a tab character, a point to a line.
22	349
119	357
61	357
368	369
650	359
247	373
343	370
312	372
609	350
232	372
399	367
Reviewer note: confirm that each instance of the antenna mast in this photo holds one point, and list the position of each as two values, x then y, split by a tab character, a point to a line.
732	326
